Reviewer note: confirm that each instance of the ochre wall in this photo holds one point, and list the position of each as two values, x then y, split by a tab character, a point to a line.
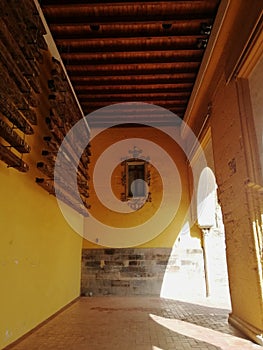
100	143
40	254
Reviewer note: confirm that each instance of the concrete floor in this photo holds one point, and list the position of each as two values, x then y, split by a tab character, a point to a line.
136	323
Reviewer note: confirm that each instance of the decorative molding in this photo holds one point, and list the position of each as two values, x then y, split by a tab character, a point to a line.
136	154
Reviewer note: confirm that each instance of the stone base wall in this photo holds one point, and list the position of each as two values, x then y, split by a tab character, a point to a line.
137	271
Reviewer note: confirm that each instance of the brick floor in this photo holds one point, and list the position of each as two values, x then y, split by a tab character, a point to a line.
136	323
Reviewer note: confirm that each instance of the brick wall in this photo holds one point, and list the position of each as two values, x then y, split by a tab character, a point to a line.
137	271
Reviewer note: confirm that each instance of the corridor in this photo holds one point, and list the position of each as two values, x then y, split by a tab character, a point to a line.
131	168
136	323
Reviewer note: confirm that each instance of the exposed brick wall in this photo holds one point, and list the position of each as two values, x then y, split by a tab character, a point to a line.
135	271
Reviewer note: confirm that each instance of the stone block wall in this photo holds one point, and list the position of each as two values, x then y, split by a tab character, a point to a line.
140	271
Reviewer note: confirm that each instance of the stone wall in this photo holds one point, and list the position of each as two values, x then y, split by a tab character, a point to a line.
141	271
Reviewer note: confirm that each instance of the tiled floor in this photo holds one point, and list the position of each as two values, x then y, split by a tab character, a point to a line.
135	323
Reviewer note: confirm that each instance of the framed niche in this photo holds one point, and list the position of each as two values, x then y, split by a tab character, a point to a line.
136	180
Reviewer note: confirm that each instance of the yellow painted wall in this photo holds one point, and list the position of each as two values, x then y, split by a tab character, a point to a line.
39	256
103	141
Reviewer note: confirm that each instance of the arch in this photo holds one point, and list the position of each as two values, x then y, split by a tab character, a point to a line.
206	198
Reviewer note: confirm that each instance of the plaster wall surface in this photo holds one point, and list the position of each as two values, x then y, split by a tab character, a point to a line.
39	252
177	197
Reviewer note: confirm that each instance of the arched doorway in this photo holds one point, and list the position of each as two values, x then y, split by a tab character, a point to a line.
209	218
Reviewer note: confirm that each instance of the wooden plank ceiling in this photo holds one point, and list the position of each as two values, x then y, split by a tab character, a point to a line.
127	51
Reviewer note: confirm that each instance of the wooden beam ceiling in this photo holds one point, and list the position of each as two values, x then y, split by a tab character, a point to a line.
131	51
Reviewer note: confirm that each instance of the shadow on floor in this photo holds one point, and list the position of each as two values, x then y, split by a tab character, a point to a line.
136	323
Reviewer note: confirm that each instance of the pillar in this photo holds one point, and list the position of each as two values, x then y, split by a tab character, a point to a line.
205	232
239	205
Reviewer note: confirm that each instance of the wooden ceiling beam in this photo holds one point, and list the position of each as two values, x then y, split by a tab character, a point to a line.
186	78
161	103
149	12
132	109
132	69
113	89
128	44
103	115
179	28
53	3
134	95
137	119
132	57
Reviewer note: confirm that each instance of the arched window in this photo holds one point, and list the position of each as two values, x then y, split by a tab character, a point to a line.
206	198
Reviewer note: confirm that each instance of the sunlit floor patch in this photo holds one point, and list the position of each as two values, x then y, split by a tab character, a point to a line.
221	340
136	323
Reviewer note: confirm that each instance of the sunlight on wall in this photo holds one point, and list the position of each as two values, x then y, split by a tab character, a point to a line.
184	275
187	277
256	93
206	198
